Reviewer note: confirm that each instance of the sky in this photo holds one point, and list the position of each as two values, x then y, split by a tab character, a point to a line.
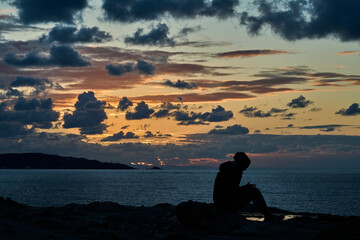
182	82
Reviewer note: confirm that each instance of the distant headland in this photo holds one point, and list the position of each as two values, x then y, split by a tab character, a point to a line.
46	161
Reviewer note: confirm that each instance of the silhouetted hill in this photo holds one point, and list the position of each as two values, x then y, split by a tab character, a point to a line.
46	161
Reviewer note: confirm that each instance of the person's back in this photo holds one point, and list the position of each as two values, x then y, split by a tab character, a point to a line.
227	182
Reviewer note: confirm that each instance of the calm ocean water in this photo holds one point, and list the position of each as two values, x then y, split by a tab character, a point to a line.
323	191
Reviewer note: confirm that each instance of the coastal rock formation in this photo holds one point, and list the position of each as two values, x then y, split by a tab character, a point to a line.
47	161
187	221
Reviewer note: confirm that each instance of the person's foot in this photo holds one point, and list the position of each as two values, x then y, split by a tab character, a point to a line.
274	218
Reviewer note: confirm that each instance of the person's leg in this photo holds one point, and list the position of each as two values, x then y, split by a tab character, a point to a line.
245	196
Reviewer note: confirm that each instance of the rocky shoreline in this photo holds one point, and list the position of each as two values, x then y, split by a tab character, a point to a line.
186	221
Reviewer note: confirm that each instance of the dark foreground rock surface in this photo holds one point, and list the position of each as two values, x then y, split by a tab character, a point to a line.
187	221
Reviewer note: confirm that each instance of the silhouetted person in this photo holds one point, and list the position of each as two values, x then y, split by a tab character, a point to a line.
228	195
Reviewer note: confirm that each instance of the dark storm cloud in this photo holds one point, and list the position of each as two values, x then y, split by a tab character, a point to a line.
120	69
124	104
42	11
138	10
299	102
231	130
63	56
38	113
142	111
89	115
181	84
254	112
118	136
22	104
351	111
70	34
157	36
40	84
294	20
13	129
250	53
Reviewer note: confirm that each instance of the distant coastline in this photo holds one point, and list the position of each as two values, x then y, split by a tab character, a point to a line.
47	161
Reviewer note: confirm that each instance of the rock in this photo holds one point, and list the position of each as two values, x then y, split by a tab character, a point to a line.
207	217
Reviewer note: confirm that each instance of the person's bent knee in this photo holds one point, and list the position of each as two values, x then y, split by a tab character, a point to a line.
255	191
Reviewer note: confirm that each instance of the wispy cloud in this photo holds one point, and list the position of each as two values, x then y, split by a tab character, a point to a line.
251	53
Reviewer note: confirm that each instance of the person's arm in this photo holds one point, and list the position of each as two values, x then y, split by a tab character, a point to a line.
248	185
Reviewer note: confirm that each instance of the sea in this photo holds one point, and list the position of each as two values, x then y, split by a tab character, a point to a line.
332	191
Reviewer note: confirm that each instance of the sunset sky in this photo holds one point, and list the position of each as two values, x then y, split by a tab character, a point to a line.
182	82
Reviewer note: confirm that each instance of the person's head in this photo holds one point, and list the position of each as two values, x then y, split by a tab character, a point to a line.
242	160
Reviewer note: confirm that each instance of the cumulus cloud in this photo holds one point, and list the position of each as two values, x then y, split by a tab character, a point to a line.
124	104
299	102
231	130
351	111
162	113
218	114
166	109
142	111
43	11
181	84
63	56
70	34
11	92
170	106
254	112
142	67
149	134
120	69
38	113
250	53
118	136
89	115
157	36
138	10
145	67
294	20
188	118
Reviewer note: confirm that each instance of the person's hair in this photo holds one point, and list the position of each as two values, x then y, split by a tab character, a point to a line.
242	159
